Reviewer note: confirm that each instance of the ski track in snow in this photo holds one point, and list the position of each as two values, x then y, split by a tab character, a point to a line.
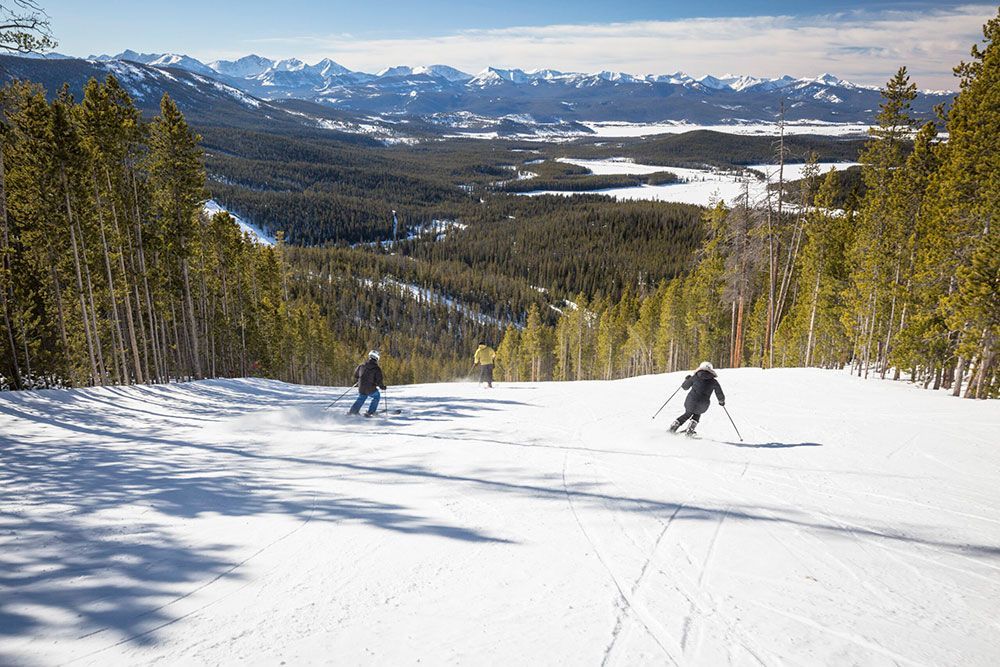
237	521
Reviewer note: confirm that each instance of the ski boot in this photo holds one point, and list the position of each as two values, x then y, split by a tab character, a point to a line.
676	425
691	432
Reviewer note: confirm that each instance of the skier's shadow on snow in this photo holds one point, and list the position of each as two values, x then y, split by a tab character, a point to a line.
771	445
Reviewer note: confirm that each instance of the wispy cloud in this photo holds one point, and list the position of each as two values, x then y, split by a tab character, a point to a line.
863	46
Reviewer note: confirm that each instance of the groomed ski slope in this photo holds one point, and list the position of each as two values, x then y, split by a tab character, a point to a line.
236	522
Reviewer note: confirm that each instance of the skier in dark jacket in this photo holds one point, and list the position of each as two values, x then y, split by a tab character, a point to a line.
369	379
702	383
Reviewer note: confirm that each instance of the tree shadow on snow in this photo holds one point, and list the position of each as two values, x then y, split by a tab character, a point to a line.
120	574
120	577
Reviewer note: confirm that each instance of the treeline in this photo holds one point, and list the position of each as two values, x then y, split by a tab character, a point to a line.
321	189
110	272
698	148
906	282
426	319
590	182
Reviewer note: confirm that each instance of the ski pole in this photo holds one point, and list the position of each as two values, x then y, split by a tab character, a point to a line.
666	401
342	395
733	423
385	403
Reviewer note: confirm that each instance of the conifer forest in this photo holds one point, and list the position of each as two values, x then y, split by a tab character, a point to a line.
113	273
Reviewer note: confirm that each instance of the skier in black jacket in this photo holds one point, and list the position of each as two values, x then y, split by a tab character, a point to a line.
369	379
702	383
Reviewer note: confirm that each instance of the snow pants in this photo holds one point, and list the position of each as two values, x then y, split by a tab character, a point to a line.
360	403
486	374
693	416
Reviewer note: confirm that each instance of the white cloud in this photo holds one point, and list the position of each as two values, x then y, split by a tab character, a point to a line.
862	46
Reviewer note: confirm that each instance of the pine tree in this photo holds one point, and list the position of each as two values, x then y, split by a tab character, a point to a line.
965	193
177	179
877	254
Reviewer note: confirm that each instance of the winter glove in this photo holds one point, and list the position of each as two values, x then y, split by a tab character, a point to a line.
722	403
383	387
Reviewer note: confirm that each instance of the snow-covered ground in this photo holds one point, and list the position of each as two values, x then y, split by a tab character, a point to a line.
212	207
697	186
621	129
235	521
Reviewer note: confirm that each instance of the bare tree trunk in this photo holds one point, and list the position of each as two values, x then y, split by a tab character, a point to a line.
192	325
83	307
579	347
732	334
959	377
812	320
5	273
884	361
772	323
98	347
129	319
119	342
738	361
767	356
871	332
786	277
94	377
179	349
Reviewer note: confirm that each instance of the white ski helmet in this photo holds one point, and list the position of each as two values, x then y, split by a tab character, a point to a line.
706	366
374	355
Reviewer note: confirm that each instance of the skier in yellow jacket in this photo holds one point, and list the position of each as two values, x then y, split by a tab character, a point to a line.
484	358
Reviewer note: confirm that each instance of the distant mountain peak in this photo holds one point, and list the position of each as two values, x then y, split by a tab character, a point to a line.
327	67
181	61
242	68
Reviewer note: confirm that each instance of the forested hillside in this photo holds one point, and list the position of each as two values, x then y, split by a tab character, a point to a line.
324	190
904	281
112	274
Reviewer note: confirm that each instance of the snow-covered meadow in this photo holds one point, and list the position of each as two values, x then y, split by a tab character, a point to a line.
701	187
236	521
612	129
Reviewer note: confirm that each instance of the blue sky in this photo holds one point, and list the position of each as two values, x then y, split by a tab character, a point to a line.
863	41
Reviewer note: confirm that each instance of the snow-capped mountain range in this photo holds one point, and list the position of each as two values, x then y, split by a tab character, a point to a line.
547	96
267	72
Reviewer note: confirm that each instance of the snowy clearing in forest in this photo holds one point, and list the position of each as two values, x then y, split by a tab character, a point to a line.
701	187
613	129
212	207
233	521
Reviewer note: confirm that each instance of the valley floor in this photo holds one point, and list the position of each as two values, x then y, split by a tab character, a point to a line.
236	521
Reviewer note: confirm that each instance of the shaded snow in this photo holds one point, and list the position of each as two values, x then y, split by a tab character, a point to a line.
236	521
